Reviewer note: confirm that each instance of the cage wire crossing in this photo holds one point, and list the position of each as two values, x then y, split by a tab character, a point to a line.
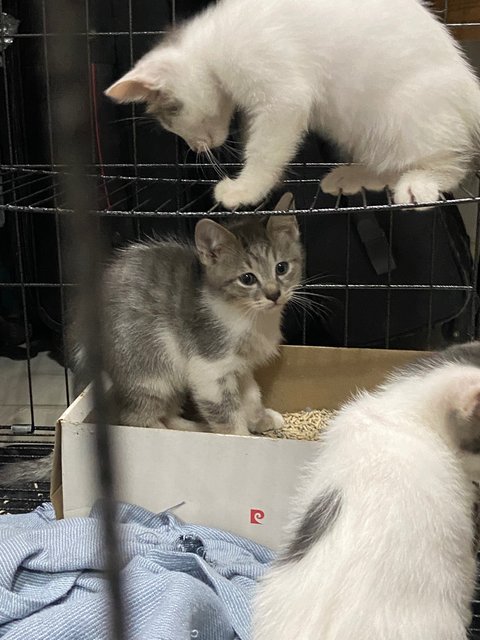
67	152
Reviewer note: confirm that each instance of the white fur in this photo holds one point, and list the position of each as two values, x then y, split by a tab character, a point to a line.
398	562
203	375
383	79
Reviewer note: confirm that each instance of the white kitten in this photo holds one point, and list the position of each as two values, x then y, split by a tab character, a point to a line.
385	82
381	546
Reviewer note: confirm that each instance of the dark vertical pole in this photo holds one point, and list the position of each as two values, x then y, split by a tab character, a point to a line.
58	228
71	113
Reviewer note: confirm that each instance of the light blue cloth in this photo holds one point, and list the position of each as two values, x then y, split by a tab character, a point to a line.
180	581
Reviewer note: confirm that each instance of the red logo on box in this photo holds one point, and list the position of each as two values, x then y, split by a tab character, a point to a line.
256	516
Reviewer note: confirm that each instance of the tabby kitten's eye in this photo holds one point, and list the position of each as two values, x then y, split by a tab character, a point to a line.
247	279
281	268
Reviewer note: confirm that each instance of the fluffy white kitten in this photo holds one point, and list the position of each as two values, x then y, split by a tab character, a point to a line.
382	79
381	546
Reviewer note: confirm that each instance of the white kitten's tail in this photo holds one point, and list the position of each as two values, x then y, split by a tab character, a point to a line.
17	473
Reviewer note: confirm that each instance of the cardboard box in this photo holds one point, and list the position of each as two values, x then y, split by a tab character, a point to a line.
239	483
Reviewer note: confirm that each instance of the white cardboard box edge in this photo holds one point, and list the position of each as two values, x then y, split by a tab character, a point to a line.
238	483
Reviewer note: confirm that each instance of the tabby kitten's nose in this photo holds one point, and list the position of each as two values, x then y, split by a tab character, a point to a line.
272	295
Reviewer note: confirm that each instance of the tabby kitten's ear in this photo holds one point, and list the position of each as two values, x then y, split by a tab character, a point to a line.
283	225
211	240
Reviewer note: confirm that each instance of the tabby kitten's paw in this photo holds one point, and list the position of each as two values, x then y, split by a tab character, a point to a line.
237	193
271	421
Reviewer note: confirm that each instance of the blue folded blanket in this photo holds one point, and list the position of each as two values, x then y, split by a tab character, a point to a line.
180	581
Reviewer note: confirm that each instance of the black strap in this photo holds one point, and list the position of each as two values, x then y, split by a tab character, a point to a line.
375	242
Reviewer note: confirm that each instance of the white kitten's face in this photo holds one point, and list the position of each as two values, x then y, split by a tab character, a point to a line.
185	101
181	115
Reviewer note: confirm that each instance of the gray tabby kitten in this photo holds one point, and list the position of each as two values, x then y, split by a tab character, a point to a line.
187	324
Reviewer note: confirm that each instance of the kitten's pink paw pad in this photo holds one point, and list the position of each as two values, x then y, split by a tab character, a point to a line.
350	180
235	193
415	192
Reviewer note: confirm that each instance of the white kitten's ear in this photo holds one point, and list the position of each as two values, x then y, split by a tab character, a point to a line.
147	79
211	240
286	225
130	89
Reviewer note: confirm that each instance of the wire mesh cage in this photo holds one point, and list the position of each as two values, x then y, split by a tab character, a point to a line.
139	180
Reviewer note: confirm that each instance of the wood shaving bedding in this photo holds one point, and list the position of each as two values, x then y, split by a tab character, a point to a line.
303	425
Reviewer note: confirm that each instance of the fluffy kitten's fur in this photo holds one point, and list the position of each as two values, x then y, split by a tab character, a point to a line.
188	326
381	544
385	82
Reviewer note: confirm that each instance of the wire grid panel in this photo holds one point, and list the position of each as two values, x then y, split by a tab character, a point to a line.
134	186
151	175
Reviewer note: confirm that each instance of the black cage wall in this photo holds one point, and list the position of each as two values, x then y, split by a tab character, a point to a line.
390	277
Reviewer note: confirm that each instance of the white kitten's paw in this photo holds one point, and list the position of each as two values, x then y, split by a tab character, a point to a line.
350	180
236	193
416	187
271	421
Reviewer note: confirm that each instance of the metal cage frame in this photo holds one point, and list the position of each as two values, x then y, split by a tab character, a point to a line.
84	184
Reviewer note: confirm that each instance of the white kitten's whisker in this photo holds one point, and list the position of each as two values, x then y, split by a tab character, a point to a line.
213	162
235	153
133	119
188	151
293	173
200	165
222	171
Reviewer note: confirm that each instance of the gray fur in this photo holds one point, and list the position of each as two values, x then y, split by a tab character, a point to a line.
319	518
164	108
26	471
172	314
468	353
470	444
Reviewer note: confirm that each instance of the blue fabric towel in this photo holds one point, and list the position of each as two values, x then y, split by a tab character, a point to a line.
180	581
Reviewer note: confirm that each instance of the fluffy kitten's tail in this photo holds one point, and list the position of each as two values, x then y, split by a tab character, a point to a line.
17	473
